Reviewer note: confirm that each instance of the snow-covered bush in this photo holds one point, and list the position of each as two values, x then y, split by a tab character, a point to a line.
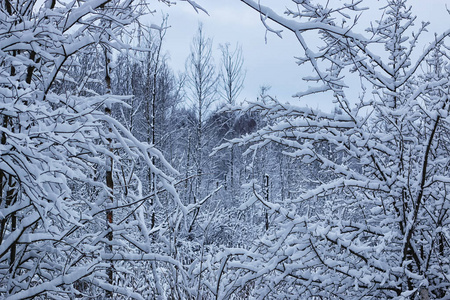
377	225
66	165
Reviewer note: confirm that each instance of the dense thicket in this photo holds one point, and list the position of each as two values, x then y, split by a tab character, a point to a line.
73	209
121	179
375	225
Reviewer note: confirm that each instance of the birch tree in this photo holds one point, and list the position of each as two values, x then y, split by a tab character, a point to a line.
201	84
231	83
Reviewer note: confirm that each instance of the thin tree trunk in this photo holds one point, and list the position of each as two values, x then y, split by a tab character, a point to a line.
266	194
109	177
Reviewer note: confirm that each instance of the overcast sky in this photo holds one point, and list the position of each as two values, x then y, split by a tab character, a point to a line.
267	63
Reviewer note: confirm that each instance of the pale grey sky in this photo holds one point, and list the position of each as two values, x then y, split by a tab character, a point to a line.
267	63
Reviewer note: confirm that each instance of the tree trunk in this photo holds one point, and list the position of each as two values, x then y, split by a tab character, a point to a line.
109	177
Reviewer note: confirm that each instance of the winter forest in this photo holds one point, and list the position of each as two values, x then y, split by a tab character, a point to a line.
121	178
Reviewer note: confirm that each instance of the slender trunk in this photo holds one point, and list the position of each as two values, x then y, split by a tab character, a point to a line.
266	194
3	182
188	165
199	152
153	130
109	177
8	183
282	178
232	172
11	197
